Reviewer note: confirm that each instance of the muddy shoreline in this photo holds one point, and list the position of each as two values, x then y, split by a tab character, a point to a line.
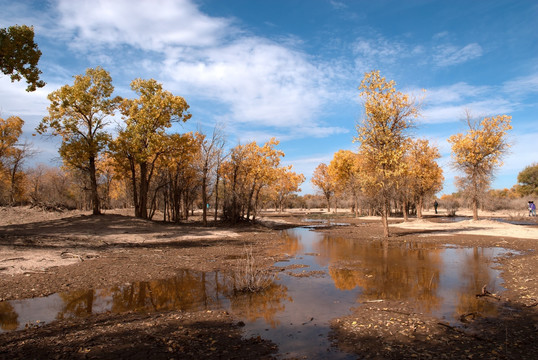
115	249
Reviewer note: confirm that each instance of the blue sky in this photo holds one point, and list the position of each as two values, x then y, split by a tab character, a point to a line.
290	69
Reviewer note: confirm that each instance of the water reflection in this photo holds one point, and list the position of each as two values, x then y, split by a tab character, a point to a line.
441	281
188	291
263	305
9	319
295	312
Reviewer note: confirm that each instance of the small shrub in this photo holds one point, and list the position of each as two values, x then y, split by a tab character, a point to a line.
450	203
251	276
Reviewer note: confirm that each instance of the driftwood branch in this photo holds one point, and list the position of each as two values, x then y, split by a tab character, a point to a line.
485	292
67	254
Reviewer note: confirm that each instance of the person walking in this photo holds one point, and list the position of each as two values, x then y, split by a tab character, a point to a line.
532	208
435	205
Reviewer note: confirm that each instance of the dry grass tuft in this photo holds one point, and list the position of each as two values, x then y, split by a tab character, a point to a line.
251	276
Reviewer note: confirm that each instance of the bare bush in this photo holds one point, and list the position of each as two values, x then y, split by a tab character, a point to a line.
451	204
251	276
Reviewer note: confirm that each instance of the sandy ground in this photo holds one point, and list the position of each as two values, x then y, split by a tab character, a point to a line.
46	252
471	227
39	240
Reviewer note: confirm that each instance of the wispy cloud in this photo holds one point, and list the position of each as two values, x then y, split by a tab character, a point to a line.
523	85
338	5
448	55
377	51
447	104
453	113
454	93
372	52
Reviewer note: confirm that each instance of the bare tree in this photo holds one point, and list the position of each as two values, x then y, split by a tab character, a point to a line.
210	150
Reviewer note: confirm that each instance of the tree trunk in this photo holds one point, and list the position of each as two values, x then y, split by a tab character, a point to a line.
235	210
93	184
336	205
385	218
204	196
143	196
405	210
475	208
13	179
419	207
249	202
216	198
133	181
256	204
186	200
356	203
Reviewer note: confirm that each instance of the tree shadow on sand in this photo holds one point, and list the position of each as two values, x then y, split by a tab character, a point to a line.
200	335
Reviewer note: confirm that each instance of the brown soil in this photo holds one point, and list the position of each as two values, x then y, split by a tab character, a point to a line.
43	253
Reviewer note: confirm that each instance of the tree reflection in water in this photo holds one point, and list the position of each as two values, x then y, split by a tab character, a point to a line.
436	279
9	319
261	305
188	291
385	272
475	274
442	281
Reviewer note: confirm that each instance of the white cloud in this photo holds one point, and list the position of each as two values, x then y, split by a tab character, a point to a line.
306	166
521	154
448	103
448	55
262	82
377	51
259	82
149	25
16	101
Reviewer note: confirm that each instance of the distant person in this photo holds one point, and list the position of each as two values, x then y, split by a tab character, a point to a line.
532	208
435	205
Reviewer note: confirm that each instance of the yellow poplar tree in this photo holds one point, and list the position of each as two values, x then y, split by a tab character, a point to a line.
10	154
144	138
261	163
478	153
78	114
287	182
322	180
425	175
382	135
249	169
344	171
181	172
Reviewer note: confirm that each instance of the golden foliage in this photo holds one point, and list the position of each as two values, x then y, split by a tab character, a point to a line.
381	134
323	180
78	113
382	137
141	144
479	152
